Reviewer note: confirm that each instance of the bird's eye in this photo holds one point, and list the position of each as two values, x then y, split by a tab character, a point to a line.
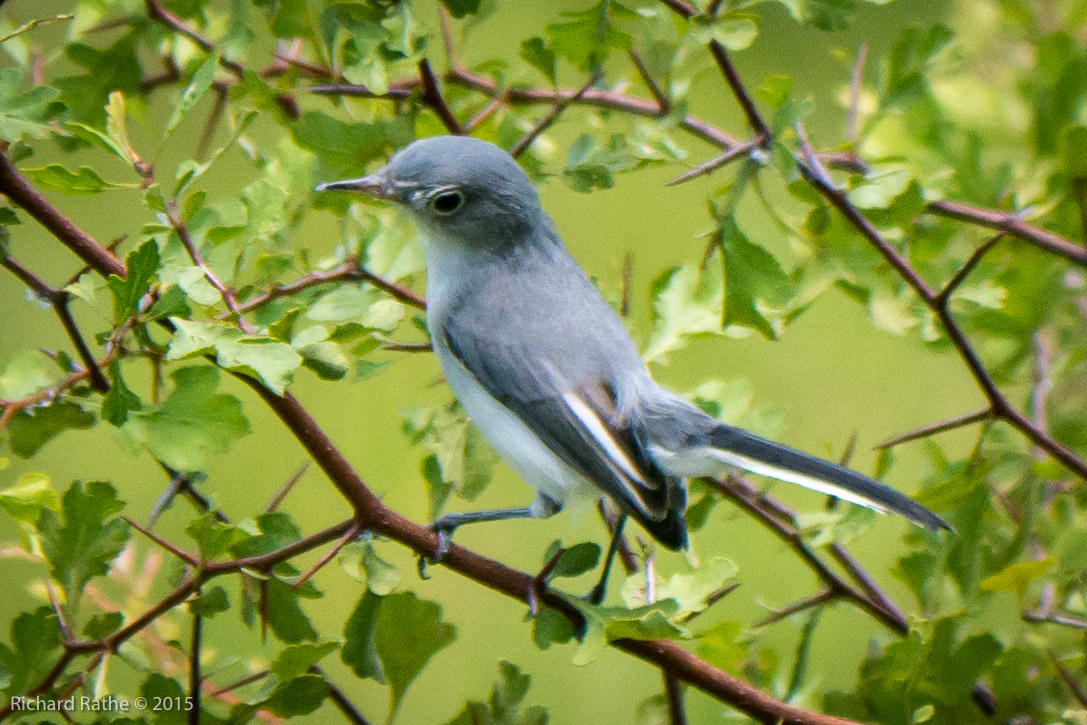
447	202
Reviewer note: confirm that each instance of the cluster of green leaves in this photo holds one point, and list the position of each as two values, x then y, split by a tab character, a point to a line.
105	121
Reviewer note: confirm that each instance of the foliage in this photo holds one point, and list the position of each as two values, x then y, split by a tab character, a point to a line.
954	132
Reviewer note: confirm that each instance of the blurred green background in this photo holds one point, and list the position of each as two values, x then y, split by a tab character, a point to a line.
830	376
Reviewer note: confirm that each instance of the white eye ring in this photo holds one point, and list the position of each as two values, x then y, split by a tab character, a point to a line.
447	202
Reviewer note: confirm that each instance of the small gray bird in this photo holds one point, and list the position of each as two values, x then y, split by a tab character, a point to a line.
546	370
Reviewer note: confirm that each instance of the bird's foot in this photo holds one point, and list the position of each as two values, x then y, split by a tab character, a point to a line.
444	529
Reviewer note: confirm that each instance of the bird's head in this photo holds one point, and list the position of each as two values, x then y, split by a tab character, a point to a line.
459	190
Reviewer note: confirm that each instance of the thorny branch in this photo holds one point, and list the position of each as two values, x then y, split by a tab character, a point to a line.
372	515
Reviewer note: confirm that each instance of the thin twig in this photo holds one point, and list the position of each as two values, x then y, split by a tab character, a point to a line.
938	427
544	123
707	167
815	600
754	118
957	279
179	553
58	299
851	121
1069	680
348	536
432	96
225	292
195	678
663	103
1012	225
1001	408
281	493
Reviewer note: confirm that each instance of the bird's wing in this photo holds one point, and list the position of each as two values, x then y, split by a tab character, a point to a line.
575	418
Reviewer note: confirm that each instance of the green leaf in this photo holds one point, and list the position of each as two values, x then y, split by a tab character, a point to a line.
214	537
209	603
462	8
25	374
158	688
86	536
35	637
359	650
409	631
25	500
346	148
115	69
607	624
190	424
198	86
285	616
82	182
1073	151
117	403
141	267
591	165
536	53
756	288
549	627
463	461
104	624
1017	577
270	361
361	562
296	659
574	561
24	114
30	429
300	696
504	705
588	35
685	307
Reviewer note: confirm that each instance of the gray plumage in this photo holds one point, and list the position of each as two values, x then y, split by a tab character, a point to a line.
545	368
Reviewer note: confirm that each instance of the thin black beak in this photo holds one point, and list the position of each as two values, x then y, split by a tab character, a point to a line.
376	185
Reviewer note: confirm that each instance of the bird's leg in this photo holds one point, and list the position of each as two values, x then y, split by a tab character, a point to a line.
444	527
596	594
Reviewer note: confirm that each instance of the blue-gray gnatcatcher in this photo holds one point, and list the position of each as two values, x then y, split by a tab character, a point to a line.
546	370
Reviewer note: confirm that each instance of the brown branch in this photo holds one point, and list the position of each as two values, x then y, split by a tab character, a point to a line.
282	491
1069	680
967	267
339	699
179	553
484	113
11	407
1011	225
432	96
782	523
1079	191
683	8
194	666
225	292
938	427
58	299
347	271
754	118
161	15
347	538
373	515
663	103
22	194
938	303
553	115
707	167
815	600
